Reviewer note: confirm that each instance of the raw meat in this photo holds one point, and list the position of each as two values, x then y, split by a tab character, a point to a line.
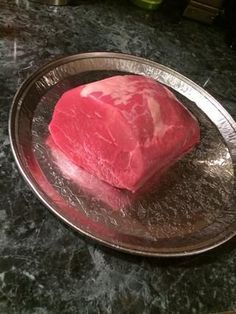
123	129
113	197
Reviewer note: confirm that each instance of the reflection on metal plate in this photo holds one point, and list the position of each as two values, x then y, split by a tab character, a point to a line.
187	210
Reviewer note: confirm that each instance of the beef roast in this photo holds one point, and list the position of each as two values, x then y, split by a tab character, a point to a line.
123	129
89	184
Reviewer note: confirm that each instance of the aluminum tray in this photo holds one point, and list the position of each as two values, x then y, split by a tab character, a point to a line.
190	209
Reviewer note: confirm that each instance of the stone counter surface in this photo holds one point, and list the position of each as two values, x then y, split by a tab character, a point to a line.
45	267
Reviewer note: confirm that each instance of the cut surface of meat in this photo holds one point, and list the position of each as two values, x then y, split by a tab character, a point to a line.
123	129
111	196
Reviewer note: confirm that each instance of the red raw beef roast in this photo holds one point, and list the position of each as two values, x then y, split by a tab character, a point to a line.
123	129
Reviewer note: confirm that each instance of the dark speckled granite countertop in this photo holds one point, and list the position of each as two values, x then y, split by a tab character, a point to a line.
45	267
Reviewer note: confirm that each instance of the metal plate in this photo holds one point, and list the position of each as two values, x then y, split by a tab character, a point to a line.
188	210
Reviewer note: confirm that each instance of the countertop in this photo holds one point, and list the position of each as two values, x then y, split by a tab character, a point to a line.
45	267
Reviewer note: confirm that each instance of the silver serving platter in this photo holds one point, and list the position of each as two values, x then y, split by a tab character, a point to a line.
187	210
